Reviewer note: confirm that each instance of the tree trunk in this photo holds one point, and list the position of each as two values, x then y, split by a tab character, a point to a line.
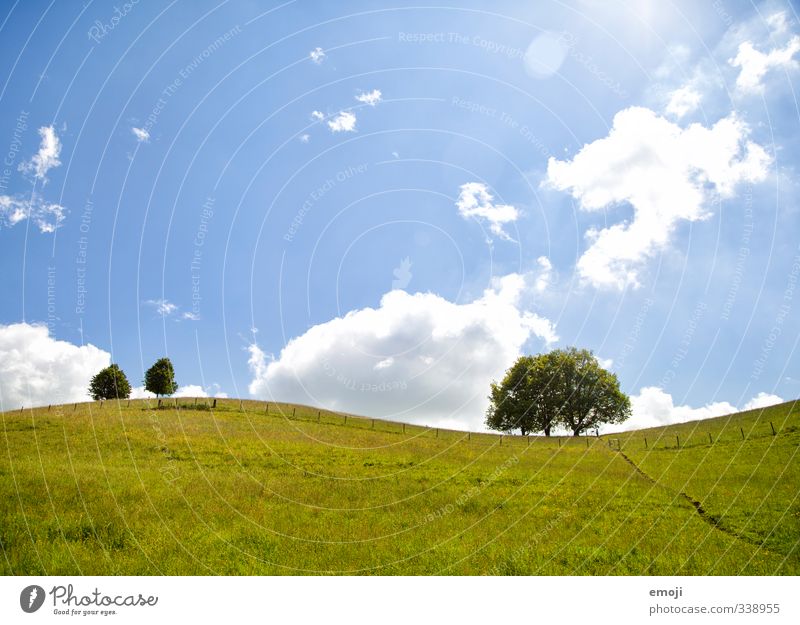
547	430
576	432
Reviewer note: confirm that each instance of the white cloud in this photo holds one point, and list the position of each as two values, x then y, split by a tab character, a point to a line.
606	363
47	156
188	390
754	65
190	316
665	172
371	97
138	392
317	55
683	101
474	200
762	400
46	215
385	363
654	407
37	370
345	121
163	307
141	134
305	138
317	115
544	278
777	22
415	357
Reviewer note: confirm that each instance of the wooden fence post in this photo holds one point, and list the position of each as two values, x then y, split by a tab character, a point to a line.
773	428
215	403
319	415
373	424
294	411
48	410
345	419
437	432
240	404
501	440
266	407
710	440
678	439
645	442
404	428
587	442
529	440
559	441
742	431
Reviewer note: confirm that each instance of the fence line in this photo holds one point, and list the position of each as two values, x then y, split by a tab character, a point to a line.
316	415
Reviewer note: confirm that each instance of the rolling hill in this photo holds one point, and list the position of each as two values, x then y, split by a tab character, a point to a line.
248	488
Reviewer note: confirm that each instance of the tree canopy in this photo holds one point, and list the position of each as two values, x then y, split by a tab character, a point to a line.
160	378
110	383
564	387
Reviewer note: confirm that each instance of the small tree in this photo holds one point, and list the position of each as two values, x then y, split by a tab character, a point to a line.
110	383
563	387
160	378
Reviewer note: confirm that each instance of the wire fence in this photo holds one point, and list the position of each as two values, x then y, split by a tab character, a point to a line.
654	440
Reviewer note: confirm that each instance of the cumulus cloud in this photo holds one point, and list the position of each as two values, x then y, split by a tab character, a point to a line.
142	136
754	65
654	407
47	156
304	138
474	200
187	390
762	400
683	101
317	115
138	392
46	215
370	97
317	55
190	316
415	357
606	363
345	121
544	277
37	370
664	172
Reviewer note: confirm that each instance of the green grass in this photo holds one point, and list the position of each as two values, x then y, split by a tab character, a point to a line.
132	490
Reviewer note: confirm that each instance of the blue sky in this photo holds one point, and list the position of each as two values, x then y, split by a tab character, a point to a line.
376	207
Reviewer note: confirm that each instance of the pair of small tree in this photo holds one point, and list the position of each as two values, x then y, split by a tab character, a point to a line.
112	383
565	387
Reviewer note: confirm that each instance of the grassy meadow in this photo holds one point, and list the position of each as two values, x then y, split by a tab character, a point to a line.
129	489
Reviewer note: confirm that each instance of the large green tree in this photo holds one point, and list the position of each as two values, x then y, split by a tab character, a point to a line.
565	387
521	401
160	378
110	383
